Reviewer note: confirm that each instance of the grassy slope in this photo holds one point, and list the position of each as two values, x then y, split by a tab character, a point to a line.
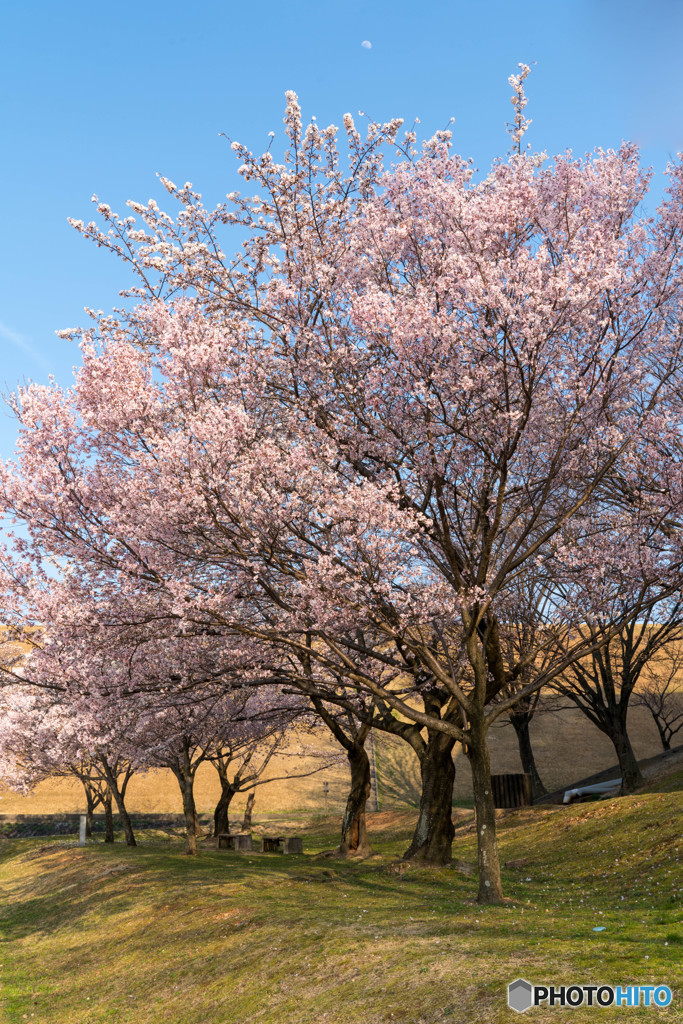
150	936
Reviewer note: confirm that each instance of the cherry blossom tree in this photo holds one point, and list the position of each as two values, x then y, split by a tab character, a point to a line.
240	766
405	392
238	731
44	734
160	692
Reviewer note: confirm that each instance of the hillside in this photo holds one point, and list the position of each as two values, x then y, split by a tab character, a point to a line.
108	935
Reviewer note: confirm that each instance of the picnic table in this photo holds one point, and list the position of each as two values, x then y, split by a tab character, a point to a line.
282	844
235	841
269	844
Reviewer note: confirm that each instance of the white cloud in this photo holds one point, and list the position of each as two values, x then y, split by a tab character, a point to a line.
366	44
21	342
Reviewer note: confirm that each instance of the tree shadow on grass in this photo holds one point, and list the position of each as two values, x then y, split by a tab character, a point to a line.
398	770
69	884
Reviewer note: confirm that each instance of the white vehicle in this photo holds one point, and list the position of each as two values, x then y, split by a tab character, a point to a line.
599	787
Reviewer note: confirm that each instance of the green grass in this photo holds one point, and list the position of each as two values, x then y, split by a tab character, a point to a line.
672	783
107	934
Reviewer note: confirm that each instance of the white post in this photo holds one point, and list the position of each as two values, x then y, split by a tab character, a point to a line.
81	834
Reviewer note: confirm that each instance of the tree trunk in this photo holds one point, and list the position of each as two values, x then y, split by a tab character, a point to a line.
666	741
248	811
120	805
108	818
221	821
190	812
184	771
354	839
434	831
490	886
91	801
631	775
521	726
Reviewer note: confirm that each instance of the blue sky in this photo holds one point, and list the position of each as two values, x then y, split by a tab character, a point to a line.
98	98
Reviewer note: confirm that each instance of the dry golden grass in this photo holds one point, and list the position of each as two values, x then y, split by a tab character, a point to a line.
567	746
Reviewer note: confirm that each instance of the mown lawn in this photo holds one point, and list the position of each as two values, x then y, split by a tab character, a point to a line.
108	934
